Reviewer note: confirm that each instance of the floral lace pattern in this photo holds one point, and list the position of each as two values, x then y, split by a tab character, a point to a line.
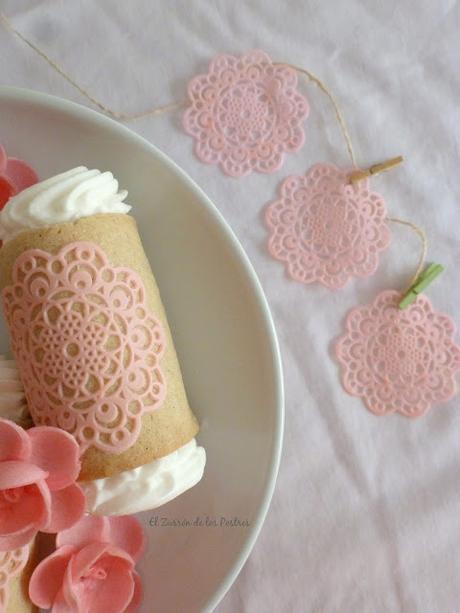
326	229
11	564
399	360
245	113
86	344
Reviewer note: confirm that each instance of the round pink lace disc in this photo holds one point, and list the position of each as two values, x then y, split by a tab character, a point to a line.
11	564
399	360
325	229
87	346
245	113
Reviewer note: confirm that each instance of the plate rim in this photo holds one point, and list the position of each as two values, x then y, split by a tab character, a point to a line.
88	114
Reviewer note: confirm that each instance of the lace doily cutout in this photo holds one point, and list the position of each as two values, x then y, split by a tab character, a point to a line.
399	360
325	229
11	564
245	113
87	347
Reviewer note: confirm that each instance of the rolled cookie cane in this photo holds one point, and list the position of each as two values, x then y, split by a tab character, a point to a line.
88	328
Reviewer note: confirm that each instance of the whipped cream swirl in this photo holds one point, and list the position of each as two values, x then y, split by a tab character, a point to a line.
63	198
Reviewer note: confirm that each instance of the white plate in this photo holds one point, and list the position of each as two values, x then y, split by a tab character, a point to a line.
223	333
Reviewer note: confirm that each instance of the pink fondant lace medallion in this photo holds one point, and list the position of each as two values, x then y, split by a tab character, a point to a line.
246	113
11	564
325	229
399	360
87	346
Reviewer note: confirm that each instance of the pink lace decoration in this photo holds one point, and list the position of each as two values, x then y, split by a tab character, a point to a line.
399	360
11	564
87	347
325	229
245	113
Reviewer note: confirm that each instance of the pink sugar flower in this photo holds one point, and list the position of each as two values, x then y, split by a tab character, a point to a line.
15	175
92	569
38	469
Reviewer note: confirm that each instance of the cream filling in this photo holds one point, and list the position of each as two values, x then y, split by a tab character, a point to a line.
148	486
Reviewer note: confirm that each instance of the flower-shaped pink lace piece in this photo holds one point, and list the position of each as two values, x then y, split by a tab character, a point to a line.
399	360
87	346
245	113
11	564
326	229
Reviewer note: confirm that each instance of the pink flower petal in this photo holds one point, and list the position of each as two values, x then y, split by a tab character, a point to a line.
14	473
14	442
47	578
7	190
3	159
18	539
22	513
57	452
67	507
85	558
116	591
127	533
20	174
46	496
88	529
137	596
61	606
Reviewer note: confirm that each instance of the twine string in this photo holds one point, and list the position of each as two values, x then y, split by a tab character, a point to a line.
159	110
338	113
423	239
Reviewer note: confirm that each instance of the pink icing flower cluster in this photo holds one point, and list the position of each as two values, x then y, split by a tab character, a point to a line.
38	470
93	567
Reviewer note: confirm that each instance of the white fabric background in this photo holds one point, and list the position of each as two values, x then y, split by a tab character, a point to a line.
365	517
